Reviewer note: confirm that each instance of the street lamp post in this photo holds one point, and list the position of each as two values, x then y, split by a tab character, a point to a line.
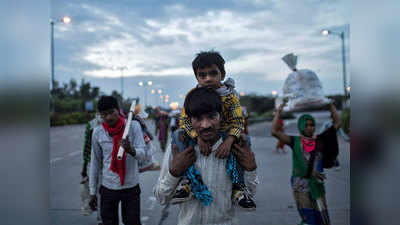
121	68
64	20
341	35
148	83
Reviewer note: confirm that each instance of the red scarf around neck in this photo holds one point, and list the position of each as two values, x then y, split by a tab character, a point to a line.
308	144
117	166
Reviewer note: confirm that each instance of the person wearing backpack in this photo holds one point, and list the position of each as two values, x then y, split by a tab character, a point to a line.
310	154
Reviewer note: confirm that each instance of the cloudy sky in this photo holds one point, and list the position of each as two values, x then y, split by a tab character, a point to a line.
157	41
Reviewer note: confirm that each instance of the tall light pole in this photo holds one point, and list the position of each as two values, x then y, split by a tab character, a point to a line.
152	93
326	32
145	84
64	20
121	68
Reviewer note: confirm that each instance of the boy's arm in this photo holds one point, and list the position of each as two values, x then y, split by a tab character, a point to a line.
235	117
235	122
187	125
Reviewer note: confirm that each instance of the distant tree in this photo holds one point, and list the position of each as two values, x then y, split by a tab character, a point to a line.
72	89
117	95
85	92
95	92
257	103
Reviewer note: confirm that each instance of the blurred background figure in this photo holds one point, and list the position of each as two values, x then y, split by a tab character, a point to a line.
245	131
162	129
174	116
87	146
149	163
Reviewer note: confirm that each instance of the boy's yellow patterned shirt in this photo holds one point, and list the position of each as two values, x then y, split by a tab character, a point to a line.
232	118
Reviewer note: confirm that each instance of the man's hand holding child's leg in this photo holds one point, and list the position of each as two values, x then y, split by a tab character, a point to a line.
205	149
225	148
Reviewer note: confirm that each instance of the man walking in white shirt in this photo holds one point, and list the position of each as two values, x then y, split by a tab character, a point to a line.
203	106
120	178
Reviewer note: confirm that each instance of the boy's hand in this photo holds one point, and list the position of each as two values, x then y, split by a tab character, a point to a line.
225	148
205	149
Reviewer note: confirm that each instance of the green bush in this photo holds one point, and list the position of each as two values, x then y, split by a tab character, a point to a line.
61	119
67	105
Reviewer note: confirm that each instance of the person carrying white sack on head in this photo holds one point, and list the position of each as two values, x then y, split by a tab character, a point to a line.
302	88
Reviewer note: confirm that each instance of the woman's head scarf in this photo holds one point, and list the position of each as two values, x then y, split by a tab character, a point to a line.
301	123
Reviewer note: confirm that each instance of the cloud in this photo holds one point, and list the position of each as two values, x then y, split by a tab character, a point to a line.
164	43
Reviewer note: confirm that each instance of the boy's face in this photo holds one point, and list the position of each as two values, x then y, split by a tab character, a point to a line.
207	126
209	77
110	117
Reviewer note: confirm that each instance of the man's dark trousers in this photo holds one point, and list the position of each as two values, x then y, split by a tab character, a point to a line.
130	205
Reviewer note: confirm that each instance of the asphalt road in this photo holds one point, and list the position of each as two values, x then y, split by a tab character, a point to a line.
275	204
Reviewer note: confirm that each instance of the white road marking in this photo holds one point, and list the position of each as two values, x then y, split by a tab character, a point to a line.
71	154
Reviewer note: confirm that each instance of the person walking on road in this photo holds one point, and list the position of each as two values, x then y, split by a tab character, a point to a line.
120	178
162	129
311	154
204	108
87	146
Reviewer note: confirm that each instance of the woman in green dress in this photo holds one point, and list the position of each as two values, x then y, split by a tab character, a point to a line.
310	155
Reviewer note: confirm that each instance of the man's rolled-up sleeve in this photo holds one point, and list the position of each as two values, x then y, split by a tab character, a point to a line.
137	140
166	183
95	164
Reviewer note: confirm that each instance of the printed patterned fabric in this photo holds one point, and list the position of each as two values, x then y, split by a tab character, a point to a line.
312	212
234	170
199	189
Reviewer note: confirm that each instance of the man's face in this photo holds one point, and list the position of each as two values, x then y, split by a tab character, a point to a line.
110	117
209	76
207	126
309	129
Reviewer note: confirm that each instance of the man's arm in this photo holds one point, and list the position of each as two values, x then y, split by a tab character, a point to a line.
174	164
87	149
138	144
275	131
246	159
95	165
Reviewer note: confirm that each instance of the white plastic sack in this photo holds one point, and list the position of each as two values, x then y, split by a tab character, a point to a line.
85	196
148	160
302	88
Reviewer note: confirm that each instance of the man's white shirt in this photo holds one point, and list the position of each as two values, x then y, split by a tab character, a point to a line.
214	175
